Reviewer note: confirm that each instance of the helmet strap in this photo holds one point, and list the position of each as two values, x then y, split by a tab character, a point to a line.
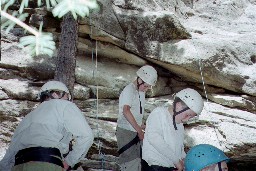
139	84
176	113
63	94
46	93
219	166
140	104
43	95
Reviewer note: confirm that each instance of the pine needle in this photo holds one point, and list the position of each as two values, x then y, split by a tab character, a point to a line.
76	7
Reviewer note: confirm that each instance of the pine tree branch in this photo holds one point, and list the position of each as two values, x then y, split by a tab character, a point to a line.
20	23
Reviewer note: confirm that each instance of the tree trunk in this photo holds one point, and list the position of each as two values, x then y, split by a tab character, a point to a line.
66	58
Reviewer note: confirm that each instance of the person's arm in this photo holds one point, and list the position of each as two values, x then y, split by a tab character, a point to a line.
130	118
8	161
179	165
76	124
183	154
154	130
79	149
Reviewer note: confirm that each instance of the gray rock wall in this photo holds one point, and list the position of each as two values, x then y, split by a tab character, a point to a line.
183	40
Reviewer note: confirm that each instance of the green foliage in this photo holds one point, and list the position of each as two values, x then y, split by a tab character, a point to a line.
42	44
39	42
9	24
6	4
76	7
48	2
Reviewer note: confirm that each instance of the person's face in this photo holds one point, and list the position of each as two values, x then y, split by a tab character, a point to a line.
224	167
215	167
57	95
66	96
144	87
184	116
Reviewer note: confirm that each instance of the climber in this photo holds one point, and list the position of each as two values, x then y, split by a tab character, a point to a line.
43	136
205	157
129	124
163	147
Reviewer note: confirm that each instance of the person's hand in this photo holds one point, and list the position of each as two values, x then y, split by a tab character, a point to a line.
183	162
65	164
143	126
179	165
141	134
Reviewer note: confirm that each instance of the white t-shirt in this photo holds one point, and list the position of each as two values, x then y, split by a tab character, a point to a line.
132	97
51	124
162	144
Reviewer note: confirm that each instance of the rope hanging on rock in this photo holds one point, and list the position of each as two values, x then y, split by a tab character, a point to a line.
95	72
200	62
205	92
201	71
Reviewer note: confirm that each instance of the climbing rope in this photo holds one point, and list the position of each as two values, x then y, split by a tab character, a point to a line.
201	71
205	92
95	72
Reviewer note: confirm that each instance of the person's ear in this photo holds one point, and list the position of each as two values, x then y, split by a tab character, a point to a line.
209	168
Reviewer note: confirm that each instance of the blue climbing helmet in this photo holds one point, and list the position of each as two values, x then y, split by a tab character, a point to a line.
203	155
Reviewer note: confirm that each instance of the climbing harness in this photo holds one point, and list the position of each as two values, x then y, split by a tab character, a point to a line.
39	154
135	140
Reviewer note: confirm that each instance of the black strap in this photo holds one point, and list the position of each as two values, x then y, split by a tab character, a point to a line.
144	165
63	94
160	168
219	166
40	154
138	85
176	113
140	104
135	140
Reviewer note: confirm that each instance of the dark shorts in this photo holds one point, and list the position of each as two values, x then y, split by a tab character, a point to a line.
146	167
124	137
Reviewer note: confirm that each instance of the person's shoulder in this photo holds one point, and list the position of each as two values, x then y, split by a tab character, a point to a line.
130	88
65	104
62	102
158	111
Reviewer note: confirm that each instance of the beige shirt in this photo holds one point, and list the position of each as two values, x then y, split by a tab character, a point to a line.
52	124
162	144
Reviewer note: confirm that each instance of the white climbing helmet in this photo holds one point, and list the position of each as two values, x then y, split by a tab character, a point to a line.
192	99
148	74
54	85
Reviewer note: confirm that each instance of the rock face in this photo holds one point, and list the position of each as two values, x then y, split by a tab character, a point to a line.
183	40
177	37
